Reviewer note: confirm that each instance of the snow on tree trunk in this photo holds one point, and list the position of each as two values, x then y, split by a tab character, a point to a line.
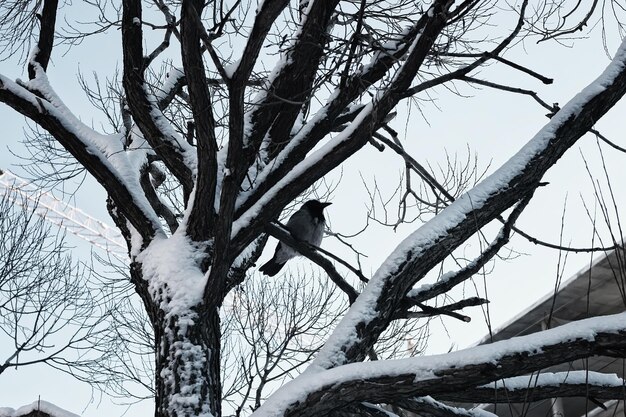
187	330
187	365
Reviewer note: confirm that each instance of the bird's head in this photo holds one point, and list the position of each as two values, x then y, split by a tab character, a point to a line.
316	207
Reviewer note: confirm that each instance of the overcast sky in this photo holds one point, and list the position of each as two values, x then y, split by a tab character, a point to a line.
492	125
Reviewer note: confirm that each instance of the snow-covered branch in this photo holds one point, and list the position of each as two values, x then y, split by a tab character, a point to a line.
178	156
429	407
97	153
531	388
319	393
41	55
292	79
432	242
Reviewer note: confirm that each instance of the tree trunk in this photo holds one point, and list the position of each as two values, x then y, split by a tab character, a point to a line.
187	377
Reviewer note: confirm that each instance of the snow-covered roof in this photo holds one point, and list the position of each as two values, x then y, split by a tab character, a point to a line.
43	407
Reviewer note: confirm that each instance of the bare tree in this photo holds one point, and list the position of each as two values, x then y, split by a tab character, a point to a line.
201	163
48	315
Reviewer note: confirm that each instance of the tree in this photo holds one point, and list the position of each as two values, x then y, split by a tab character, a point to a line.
201	164
49	315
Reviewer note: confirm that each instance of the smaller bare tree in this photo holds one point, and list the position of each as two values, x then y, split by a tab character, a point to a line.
47	312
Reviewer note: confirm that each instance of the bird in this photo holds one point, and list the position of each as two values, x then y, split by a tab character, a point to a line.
306	224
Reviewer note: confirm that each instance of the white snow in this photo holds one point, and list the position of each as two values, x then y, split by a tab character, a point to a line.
172	268
231	68
172	77
557	379
40	405
426	367
427	235
475	412
187	151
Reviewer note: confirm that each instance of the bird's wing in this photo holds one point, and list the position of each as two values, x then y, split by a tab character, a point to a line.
318	233
301	225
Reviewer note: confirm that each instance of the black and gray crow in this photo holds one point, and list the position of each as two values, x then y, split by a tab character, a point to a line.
306	224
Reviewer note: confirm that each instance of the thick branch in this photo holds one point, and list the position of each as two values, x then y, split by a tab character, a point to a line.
318	394
45	115
543	386
428	407
291	86
263	21
202	217
146	113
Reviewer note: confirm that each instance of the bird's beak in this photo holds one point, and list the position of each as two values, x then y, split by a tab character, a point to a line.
326	204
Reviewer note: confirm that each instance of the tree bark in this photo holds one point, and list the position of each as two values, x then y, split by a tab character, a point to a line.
187	377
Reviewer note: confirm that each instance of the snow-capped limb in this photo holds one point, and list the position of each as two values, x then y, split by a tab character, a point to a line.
531	388
334	114
276	109
174	82
431	243
267	13
429	407
130	202
45	42
338	149
318	394
176	154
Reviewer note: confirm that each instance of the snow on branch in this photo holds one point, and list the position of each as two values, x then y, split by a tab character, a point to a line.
177	155
535	387
432	242
318	393
101	155
278	105
429	407
45	42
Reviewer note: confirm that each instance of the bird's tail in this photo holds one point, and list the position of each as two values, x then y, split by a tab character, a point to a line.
271	267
